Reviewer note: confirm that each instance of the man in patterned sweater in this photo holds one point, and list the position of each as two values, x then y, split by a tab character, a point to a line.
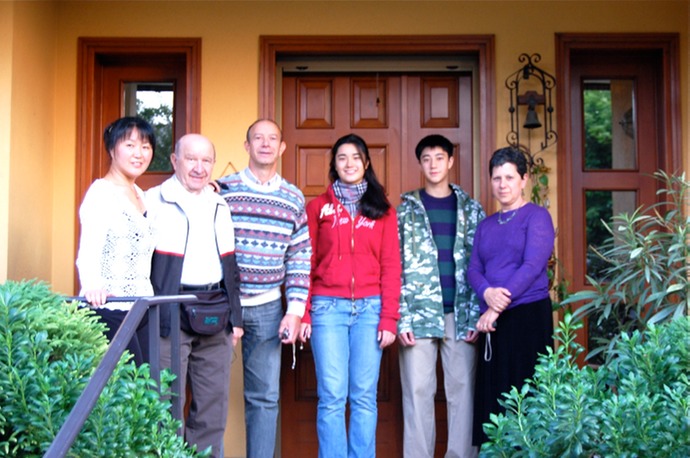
272	249
438	308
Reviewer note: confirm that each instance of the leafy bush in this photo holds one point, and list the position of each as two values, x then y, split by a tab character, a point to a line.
638	404
645	277
48	351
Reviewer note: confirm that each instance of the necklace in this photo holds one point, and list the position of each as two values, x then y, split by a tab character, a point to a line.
130	192
507	220
129	187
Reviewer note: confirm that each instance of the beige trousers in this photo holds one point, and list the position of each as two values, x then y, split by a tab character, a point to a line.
418	377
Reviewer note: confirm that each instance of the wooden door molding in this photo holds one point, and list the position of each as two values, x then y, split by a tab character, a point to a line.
92	55
669	138
482	46
91	52
411	107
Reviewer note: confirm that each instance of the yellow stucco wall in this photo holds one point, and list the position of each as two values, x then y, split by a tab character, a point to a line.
38	52
6	32
30	134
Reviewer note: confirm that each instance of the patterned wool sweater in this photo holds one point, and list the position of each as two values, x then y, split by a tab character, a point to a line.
271	239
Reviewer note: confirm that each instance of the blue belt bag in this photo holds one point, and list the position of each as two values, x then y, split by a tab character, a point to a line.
208	315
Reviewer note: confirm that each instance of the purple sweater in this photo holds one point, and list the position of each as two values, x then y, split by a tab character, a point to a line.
513	255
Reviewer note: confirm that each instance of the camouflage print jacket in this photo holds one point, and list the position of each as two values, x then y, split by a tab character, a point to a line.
421	304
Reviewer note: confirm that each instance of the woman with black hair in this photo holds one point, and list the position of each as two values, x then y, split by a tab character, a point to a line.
507	270
116	241
355	291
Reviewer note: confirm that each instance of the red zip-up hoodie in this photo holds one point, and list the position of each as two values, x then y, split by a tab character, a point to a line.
354	258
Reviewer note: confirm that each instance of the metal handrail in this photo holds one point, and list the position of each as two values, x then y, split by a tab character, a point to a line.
87	400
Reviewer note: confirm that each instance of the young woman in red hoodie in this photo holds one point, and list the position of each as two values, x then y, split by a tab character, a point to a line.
355	289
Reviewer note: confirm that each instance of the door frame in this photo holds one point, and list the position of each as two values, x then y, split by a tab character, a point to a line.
669	117
90	54
272	48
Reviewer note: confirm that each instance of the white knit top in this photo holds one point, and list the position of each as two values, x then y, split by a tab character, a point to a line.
116	244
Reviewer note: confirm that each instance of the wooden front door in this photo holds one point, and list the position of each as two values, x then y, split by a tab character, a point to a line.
618	123
392	112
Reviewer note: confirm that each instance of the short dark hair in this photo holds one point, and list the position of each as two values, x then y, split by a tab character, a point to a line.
120	130
374	202
510	155
433	141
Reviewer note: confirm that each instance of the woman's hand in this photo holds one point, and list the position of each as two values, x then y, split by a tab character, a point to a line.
304	332
96	297
487	322
497	298
385	338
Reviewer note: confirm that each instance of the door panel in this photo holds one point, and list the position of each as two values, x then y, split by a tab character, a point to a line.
439	105
324	108
615	149
392	112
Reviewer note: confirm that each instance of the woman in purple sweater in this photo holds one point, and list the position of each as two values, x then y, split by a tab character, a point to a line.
508	272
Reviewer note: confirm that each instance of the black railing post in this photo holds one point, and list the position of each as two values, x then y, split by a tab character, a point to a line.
155	345
176	364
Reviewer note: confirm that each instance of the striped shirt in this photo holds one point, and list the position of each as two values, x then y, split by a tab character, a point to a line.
442	214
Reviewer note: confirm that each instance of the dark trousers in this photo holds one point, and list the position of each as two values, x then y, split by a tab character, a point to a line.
521	334
139	344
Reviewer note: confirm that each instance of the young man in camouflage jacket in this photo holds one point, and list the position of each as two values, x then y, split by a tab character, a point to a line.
438	308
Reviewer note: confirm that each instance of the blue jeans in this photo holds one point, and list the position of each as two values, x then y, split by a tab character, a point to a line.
347	359
261	362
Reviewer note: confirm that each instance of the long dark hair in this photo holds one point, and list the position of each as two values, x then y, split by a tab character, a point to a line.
374	203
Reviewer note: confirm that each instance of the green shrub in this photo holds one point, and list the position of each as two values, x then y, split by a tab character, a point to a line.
636	405
48	351
645	277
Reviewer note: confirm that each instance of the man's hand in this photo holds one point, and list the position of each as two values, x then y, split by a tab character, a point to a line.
406	339
471	337
237	334
289	328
